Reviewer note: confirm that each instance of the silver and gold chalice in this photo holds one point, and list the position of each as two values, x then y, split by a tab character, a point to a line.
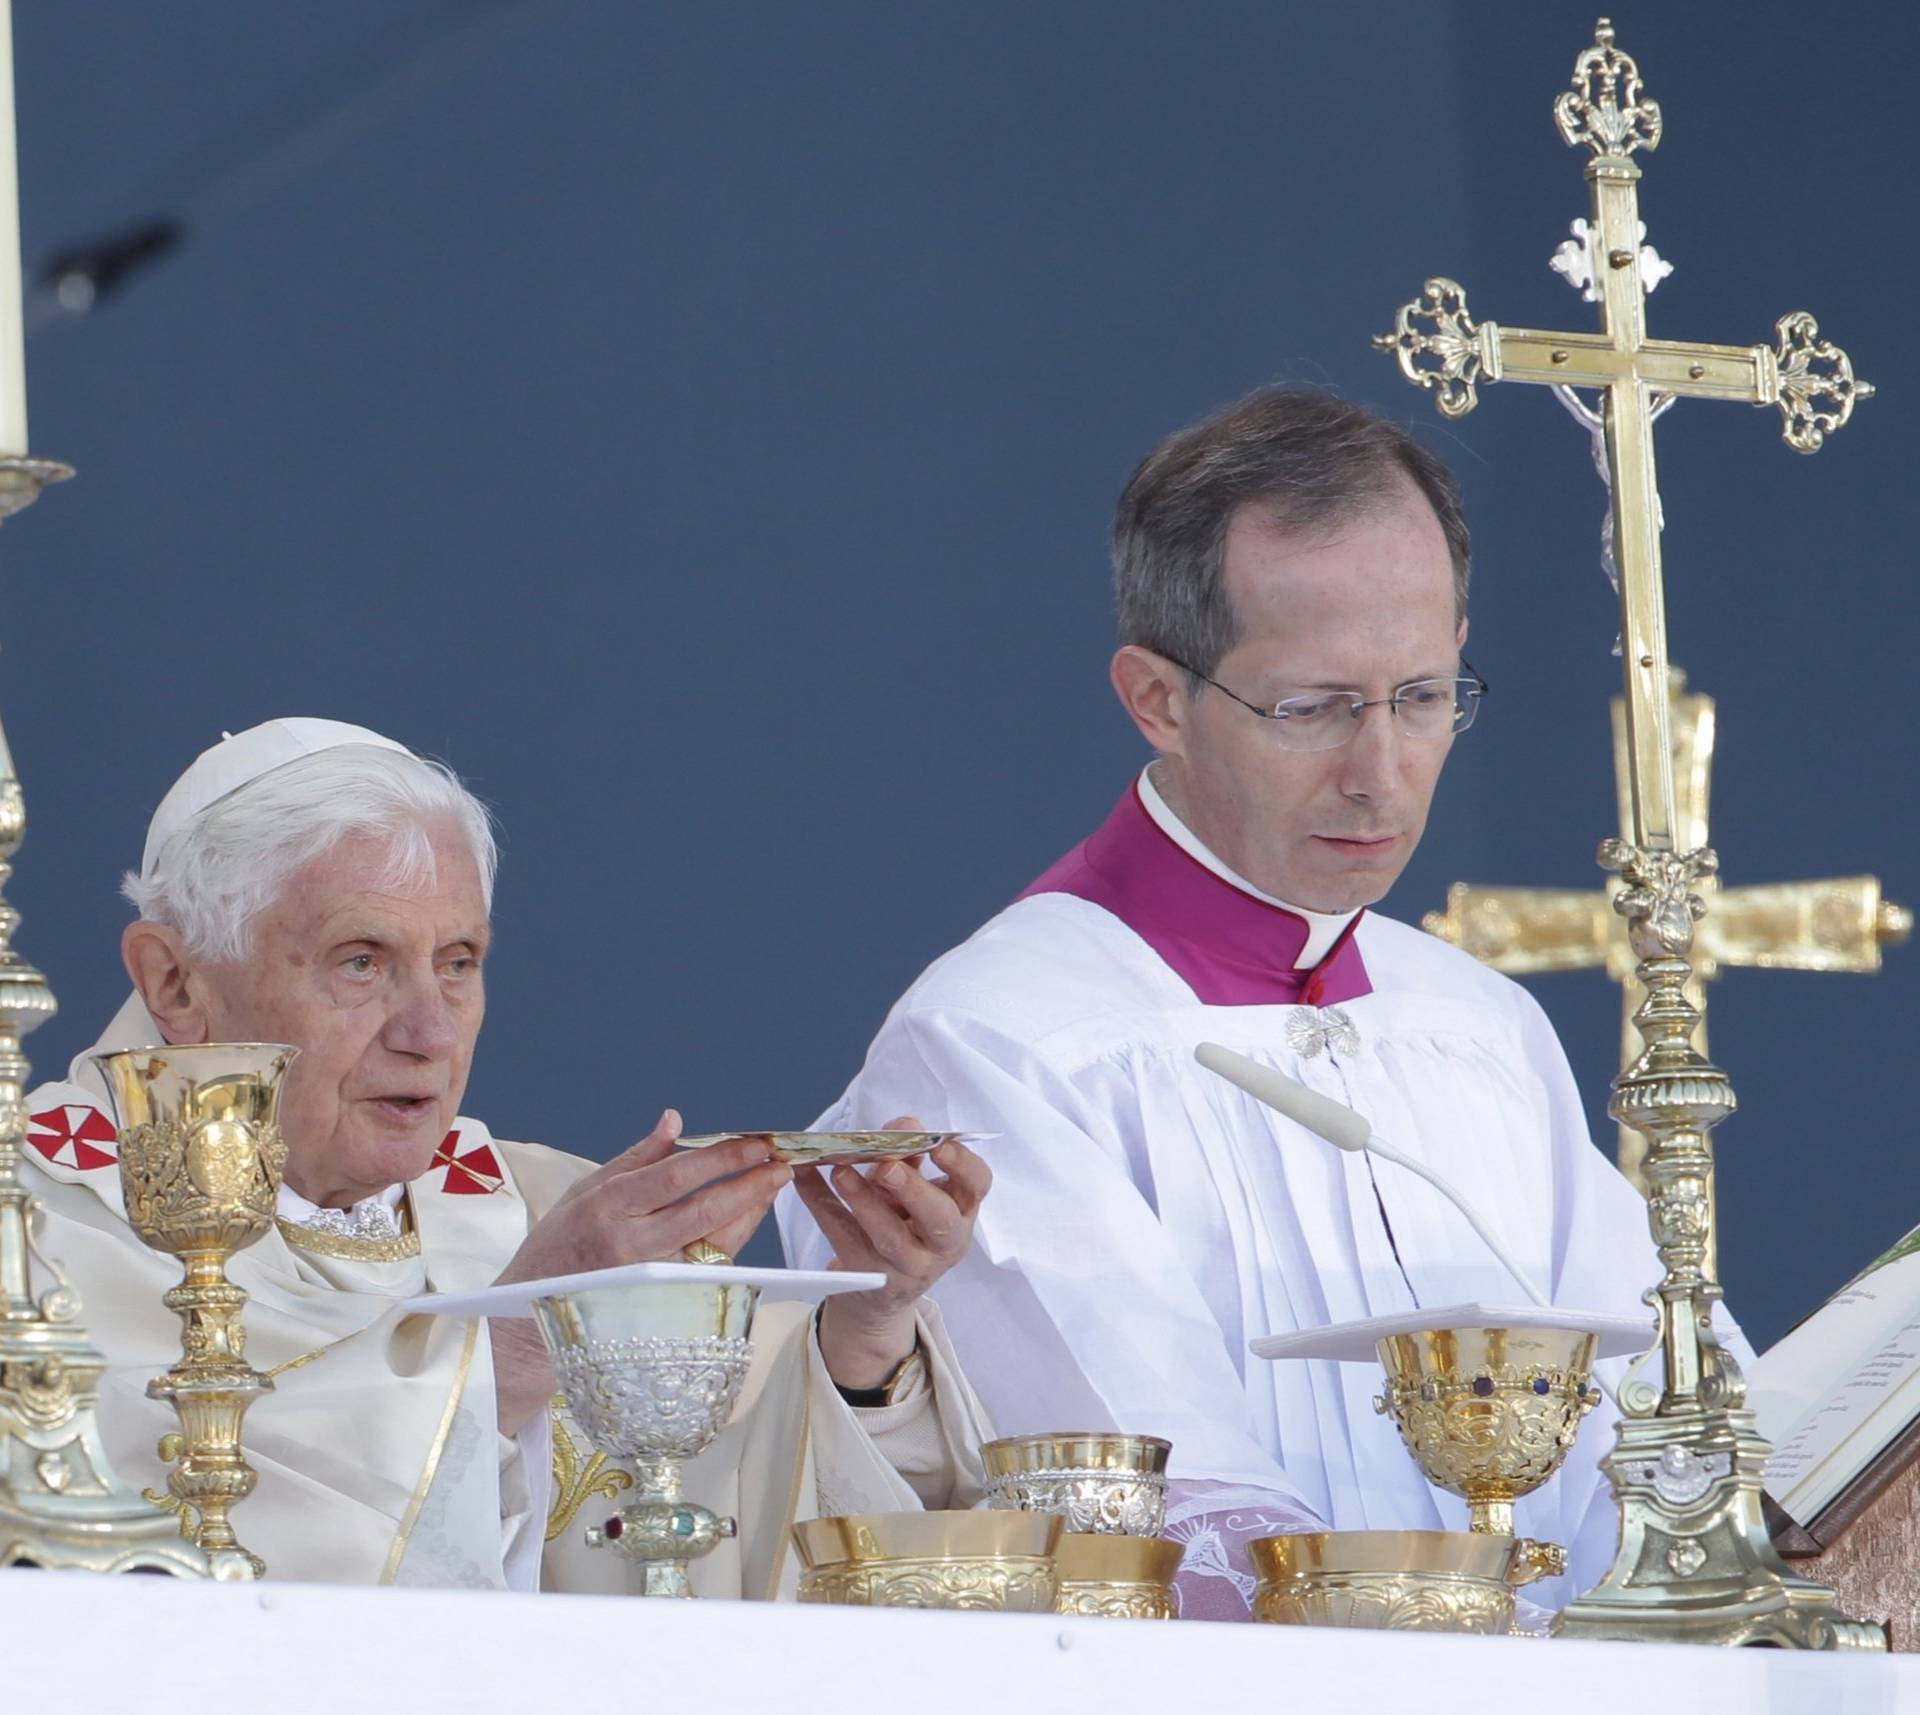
1109	1491
651	1371
200	1162
1098	1482
1489	1414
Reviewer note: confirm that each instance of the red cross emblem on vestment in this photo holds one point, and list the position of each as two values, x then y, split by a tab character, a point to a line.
471	1175
71	1135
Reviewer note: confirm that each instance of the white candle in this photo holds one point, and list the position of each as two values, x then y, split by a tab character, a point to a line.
13	355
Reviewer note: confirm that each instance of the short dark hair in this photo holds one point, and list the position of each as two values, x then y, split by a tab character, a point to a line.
1314	460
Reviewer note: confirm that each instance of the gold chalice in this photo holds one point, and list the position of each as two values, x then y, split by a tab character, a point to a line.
1392	1580
1489	1413
974	1560
200	1163
651	1371
1099	1482
1116	1577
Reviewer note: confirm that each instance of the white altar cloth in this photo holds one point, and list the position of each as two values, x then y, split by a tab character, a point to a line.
72	1644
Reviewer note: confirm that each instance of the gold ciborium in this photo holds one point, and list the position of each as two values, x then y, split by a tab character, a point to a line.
974	1560
200	1163
1391	1580
1098	1482
1116	1577
1489	1413
651	1371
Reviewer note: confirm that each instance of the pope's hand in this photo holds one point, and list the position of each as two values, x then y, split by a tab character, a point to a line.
649	1204
643	1206
898	1223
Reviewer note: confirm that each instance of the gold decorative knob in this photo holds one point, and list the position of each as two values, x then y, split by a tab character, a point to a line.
1892	924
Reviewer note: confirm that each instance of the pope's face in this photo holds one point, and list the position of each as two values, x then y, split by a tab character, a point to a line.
381	992
1369	608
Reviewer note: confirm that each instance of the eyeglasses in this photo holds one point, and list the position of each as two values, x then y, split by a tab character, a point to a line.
1325	720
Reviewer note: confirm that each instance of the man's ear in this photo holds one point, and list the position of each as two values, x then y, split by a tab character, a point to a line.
1154	692
156	960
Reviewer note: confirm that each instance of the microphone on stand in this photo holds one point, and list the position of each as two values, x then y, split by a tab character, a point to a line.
1345	1129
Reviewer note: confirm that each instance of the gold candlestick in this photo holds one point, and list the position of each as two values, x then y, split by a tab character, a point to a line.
200	1163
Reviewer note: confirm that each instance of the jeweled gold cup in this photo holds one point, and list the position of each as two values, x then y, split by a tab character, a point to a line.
1099	1482
1116	1577
1001	1561
1391	1580
200	1162
1488	1413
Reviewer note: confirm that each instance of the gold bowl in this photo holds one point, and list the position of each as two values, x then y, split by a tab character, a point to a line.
1393	1580
1488	1413
1119	1577
982	1560
1099	1482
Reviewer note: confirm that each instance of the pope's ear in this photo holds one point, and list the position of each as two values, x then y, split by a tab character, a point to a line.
156	960
1153	691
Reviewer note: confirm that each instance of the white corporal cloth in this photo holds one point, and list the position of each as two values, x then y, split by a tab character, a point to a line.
1148	1219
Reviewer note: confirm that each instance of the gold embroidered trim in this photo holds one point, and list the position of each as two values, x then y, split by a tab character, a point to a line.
574	1484
350	1250
785	1543
298	1363
398	1552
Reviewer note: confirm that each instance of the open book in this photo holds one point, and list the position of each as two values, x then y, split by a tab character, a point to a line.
1839	1390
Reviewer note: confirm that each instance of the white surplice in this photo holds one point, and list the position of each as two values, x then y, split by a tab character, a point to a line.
378	1453
1148	1219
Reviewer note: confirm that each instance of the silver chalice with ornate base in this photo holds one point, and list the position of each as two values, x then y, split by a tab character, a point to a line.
651	1372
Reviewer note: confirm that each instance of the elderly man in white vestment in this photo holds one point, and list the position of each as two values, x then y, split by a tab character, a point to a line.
315	883
1292	584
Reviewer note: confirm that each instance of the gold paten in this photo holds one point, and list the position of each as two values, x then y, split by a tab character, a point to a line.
1391	1580
1002	1561
200	1163
1694	1561
1116	1577
838	1148
1099	1482
1489	1414
1836	925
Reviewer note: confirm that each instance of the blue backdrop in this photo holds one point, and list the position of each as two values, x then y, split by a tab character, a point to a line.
699	425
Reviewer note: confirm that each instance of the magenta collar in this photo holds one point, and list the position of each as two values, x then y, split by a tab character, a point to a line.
1230	948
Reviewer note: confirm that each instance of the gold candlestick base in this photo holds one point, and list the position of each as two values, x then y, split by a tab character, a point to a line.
61	1506
200	1163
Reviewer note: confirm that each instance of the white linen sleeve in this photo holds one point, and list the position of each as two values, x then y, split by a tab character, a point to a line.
931	1437
1072	1309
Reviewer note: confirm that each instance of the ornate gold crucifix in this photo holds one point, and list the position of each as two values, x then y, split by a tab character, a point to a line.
1694	1561
1836	925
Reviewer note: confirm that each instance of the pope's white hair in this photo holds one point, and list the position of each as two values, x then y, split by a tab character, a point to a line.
210	880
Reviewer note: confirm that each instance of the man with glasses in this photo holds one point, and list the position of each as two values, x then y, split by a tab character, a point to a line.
1292	583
